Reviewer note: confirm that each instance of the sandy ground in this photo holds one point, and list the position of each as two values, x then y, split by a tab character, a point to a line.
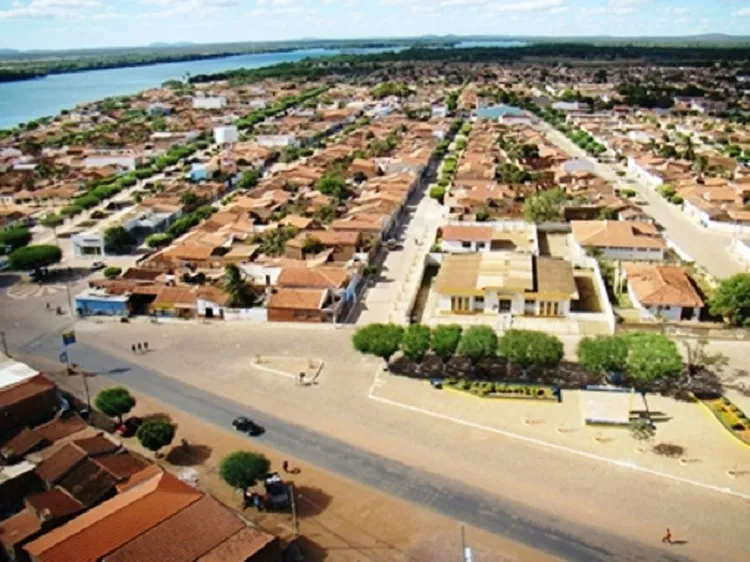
339	520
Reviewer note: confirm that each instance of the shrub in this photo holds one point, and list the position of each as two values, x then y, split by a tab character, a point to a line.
464	384
112	271
677	199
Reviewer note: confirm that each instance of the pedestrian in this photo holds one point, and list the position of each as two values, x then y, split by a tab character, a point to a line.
132	348
285	466
48	306
145	346
302	379
138	346
667	536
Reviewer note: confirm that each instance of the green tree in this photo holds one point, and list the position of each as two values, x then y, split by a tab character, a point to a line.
155	434
158	240
478	343
642	431
333	185
603	353
483	214
240	295
545	206
438	192
731	300
380	340
34	257
416	343
242	469
652	357
52	220
249	178
112	272
312	245
445	340
531	349
117	240
114	402
190	201
14	238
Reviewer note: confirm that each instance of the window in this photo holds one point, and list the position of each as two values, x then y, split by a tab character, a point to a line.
466	244
480	245
504	305
478	302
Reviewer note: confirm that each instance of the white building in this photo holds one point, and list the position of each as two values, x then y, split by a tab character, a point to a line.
645	173
617	240
214	102
102	160
271	141
662	292
505	283
226	135
88	244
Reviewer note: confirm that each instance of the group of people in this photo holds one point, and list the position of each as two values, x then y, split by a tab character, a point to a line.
139	347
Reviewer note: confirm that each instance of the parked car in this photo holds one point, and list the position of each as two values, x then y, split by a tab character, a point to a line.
277	491
248	426
129	426
97	265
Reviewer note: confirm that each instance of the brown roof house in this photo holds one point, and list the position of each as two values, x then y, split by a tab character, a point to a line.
663	292
287	304
617	240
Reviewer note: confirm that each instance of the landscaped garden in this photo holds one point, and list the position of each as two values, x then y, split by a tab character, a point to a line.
730	416
530	364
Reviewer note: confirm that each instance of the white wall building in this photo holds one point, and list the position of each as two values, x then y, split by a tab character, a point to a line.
214	102
271	141
226	135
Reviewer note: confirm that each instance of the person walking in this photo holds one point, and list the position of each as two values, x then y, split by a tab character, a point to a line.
138	346
145	346
667	536
285	466
132	348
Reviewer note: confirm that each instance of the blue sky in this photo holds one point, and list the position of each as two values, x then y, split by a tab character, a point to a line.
58	24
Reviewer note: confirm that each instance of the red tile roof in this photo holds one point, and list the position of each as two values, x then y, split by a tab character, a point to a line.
192	532
114	523
61	427
54	503
18	528
240	546
57	465
24	390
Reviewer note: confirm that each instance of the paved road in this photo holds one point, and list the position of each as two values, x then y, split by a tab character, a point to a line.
449	497
709	249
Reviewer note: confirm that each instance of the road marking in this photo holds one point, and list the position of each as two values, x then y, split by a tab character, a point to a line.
539	442
274	371
32	290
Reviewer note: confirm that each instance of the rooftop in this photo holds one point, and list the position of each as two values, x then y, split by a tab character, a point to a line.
660	285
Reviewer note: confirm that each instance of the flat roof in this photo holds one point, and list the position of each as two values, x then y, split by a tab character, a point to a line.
13	372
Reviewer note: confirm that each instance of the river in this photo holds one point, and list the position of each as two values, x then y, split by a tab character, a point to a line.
30	99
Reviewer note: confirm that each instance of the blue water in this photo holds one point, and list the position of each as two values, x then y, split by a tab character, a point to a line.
31	99
476	44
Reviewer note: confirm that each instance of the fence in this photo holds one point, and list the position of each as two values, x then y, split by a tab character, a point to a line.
608	314
246	314
686	332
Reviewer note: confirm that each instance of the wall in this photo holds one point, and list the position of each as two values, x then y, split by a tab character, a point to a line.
101	307
291	315
608	314
256	315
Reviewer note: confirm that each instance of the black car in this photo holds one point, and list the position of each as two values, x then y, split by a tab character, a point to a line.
248	426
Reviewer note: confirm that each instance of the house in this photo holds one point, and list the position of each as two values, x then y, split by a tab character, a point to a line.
302	305
209	102
496	283
661	291
617	240
31	401
156	519
345	244
272	141
88	244
97	302
459	238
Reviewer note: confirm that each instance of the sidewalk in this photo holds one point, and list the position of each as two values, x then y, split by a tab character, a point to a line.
710	450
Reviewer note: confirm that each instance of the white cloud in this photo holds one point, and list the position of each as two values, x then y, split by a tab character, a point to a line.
49	9
620	7
170	8
743	13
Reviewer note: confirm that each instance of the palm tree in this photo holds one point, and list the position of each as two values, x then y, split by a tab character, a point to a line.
240	295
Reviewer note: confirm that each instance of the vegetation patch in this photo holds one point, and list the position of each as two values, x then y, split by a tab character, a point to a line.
488	389
730	416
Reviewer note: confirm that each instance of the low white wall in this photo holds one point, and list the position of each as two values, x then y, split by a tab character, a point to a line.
246	314
607	314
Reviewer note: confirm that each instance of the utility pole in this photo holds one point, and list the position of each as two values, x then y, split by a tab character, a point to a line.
295	526
466	555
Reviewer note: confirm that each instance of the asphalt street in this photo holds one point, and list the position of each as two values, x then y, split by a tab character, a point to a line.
448	497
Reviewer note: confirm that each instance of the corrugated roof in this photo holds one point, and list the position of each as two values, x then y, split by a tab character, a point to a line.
122	465
459	272
108	526
61	427
18	528
505	270
616	234
89	482
24	441
189	534
467	233
97	445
